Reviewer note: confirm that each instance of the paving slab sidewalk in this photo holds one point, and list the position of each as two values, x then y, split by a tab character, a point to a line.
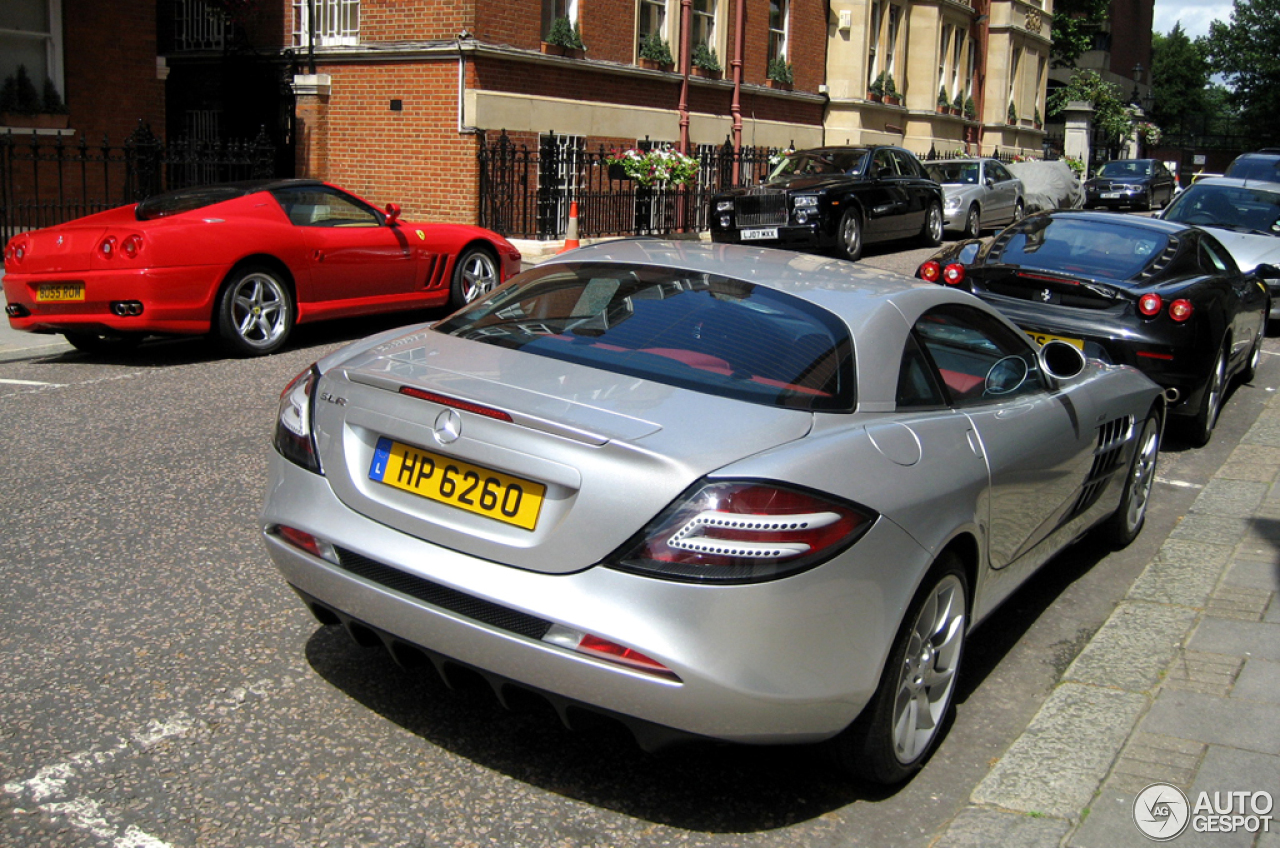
1180	686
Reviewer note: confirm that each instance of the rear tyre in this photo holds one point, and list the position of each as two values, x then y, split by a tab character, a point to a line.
894	735
1126	522
931	235
474	275
972	222
102	342
1206	417
255	312
851	235
1019	211
1255	355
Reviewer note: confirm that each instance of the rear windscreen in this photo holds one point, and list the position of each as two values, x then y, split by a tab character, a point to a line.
1097	247
185	200
700	331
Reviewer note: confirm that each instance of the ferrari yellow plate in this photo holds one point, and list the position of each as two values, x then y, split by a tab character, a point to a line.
1043	338
59	292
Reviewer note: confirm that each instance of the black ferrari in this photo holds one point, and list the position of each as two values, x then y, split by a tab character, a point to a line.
1166	298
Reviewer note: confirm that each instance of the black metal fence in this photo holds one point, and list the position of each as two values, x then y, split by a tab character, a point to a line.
44	180
526	192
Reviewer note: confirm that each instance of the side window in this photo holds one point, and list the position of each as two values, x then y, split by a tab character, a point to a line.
884	163
1214	258
321	206
917	381
998	172
976	358
907	165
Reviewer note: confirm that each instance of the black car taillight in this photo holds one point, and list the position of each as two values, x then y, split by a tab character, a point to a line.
742	532
294	438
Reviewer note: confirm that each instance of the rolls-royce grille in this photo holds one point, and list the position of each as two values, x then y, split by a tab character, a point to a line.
763	209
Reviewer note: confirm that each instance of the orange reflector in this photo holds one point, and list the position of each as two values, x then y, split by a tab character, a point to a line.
620	654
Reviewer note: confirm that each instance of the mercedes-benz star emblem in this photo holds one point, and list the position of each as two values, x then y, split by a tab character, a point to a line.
448	427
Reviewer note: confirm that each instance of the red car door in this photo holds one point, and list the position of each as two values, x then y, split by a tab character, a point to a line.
351	253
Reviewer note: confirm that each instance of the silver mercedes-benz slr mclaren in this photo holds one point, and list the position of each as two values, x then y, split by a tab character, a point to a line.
707	490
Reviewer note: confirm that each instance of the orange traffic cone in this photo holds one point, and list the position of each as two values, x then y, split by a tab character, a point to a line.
571	235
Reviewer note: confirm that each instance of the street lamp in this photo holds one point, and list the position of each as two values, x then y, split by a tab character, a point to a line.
1136	97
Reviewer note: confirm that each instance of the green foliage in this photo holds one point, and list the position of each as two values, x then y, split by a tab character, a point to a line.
958	103
780	71
1075	25
883	86
704	56
1013	113
19	94
52	99
656	49
565	34
970	109
1247	53
1179	79
657	166
943	100
1110	111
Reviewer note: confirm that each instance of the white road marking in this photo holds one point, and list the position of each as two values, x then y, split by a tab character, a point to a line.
30	383
48	788
1179	484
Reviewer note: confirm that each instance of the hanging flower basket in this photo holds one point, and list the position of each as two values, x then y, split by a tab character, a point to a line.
659	166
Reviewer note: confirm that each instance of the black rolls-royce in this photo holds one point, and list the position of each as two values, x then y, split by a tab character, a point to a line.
834	197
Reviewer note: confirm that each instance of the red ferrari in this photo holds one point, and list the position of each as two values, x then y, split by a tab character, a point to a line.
244	262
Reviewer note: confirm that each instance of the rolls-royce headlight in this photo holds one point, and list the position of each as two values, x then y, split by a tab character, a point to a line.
806	201
724	205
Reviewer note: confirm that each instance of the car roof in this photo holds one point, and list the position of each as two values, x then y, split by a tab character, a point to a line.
1238	182
1158	225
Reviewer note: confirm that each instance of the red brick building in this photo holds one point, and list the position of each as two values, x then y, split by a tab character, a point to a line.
404	90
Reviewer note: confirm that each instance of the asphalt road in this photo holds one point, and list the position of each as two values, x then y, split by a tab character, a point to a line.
162	686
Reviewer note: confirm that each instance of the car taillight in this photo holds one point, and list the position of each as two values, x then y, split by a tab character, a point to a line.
1180	310
313	545
107	247
605	649
16	251
742	532
953	274
294	438
1149	305
930	271
131	245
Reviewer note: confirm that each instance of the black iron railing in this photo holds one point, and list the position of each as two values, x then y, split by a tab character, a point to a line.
46	180
527	192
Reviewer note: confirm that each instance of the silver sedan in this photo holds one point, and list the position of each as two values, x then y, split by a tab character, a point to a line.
705	490
977	194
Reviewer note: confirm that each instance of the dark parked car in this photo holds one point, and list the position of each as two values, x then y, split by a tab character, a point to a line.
1166	298
1262	165
1143	183
1242	214
834	197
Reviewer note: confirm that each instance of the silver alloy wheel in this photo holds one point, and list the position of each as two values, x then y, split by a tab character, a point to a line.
851	235
973	223
1141	478
477	275
259	309
928	675
933	225
1213	393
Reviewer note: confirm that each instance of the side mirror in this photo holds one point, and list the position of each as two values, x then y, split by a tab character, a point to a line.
393	214
1060	360
1267	271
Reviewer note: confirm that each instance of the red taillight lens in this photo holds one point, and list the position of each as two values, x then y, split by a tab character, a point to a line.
1180	310
16	251
604	649
1149	305
293	437
307	542
466	406
743	532
107	247
131	245
953	274
930	271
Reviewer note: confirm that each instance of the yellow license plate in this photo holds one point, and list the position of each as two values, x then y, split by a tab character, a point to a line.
446	480
54	292
1043	338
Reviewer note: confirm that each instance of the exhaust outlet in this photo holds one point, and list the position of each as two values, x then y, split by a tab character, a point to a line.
1172	395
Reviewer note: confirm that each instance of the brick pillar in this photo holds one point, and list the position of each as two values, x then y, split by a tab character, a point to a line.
311	125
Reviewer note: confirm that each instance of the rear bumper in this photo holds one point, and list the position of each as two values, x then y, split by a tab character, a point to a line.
793	660
174	300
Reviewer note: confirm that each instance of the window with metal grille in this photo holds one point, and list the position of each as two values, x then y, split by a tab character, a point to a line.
336	23
199	27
